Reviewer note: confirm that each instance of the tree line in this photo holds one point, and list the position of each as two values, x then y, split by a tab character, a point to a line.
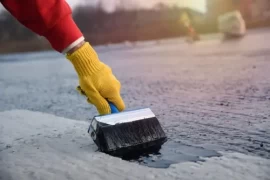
101	27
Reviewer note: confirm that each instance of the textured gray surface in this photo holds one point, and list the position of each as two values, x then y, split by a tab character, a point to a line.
211	94
39	146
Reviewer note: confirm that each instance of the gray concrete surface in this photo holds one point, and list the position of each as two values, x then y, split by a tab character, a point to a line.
213	94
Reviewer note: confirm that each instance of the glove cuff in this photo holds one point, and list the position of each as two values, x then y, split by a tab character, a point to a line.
85	60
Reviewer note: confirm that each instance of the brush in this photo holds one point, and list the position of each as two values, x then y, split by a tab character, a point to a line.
121	133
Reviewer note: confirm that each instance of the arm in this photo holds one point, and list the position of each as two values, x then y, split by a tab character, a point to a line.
51	19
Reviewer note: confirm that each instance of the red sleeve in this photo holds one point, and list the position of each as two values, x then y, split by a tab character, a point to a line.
49	18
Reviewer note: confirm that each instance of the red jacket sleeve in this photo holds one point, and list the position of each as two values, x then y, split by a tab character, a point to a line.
49	18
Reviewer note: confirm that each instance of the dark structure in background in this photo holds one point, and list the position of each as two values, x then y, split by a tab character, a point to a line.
123	25
100	27
260	9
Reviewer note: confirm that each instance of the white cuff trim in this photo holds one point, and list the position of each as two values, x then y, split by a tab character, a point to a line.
72	45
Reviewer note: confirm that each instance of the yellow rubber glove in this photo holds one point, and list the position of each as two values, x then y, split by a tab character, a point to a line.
96	80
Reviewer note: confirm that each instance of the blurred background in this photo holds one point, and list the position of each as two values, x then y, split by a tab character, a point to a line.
115	21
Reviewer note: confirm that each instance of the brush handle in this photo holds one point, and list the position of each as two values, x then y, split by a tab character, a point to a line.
113	108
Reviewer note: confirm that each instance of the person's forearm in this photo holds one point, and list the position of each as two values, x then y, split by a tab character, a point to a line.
49	18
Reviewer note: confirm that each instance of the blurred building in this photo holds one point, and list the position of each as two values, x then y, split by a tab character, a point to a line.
250	9
260	9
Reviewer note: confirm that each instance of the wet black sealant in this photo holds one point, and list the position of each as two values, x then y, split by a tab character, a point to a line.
170	153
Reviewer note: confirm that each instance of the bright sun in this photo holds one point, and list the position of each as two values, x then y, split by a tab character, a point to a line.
197	4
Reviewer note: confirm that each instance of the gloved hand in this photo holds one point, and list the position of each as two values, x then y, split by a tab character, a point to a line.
96	80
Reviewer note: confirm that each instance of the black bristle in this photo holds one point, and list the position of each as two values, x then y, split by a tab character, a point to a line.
137	134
